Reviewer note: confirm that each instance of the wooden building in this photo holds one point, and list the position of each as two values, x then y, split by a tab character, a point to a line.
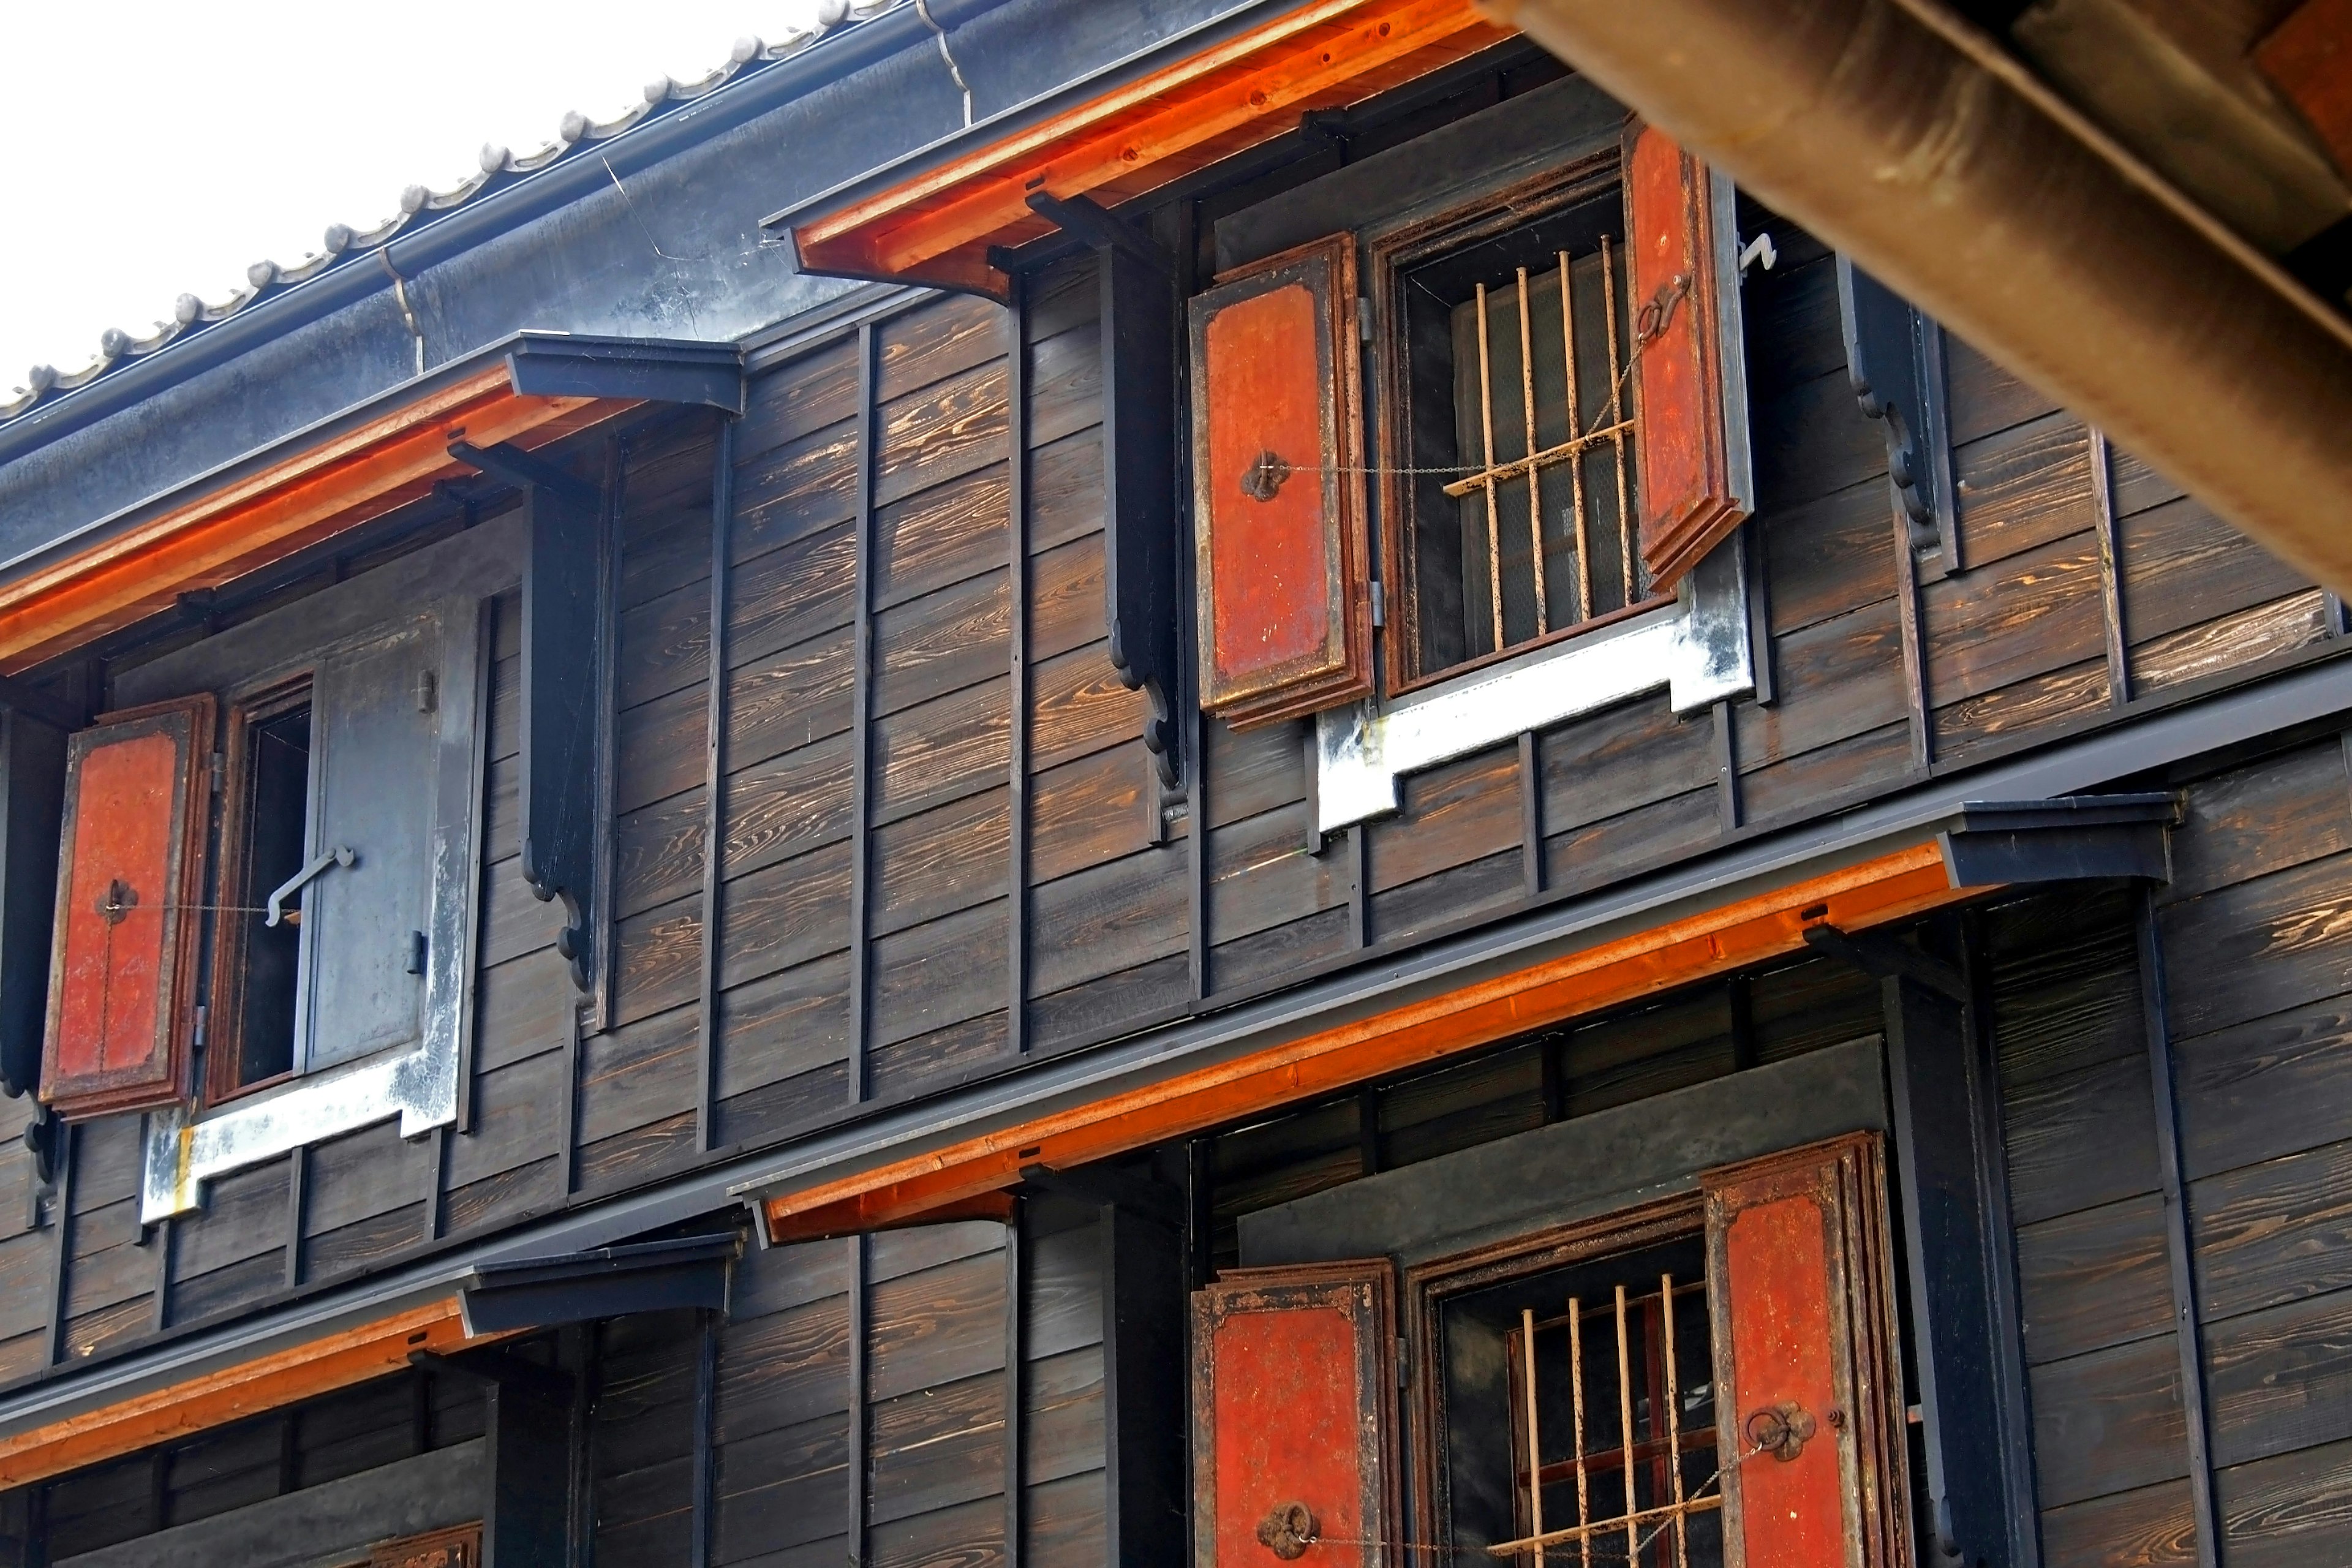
1056	783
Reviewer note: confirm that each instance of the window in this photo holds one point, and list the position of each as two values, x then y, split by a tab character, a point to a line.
1511	446
1710	1379
256	952
1562	431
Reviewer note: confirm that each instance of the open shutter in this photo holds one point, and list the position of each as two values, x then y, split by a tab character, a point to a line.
122	971
1294	1375
1799	1264
1691	399
374	724
1285	622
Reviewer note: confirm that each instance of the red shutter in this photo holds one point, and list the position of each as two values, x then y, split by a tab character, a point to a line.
122	976
1691	436
1294	1377
1285	622
1808	1387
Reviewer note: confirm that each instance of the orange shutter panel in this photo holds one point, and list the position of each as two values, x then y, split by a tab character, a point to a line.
1294	1377
122	974
1807	1382
1689	386
1285	602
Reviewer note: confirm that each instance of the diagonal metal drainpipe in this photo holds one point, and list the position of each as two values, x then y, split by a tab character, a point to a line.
1895	132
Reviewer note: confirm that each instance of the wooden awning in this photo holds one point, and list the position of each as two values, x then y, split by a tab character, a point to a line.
933	218
1895	885
213	1398
530	391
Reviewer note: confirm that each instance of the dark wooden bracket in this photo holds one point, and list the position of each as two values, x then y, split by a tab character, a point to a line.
1105	1187
1886	958
500	1370
1141	586
562	644
1894	358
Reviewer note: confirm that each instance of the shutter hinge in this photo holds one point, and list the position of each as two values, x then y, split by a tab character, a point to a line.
1404	1364
216	768
1364	319
425	695
1380	605
416	964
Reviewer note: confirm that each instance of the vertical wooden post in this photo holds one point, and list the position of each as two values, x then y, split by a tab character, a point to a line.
529	1502
858	1330
1730	810
1941	1121
1015	1348
1017	691
298	1182
61	1245
861	713
1143	1388
2111	586
1915	649
607	724
714	802
1531	856
2186	1324
705	1391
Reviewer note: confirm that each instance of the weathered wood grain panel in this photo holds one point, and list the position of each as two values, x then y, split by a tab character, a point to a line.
2288	1511
2108	1422
2279	1379
2261	946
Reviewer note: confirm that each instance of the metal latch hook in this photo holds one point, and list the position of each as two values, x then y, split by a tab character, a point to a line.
340	855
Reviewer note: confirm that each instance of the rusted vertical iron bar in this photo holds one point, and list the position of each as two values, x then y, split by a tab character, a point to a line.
857	1336
2188	1332
1486	452
1915	649
1016	1340
1617	416
1576	459
1016	696
2111	584
1576	1416
1535	1444
1531	866
1625	1428
1535	469
861	786
714	802
1673	1418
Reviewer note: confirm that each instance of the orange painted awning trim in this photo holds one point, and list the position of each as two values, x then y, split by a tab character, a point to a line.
937	226
232	1394
340	482
1755	930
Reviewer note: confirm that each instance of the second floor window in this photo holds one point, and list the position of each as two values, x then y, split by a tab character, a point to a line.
1512	442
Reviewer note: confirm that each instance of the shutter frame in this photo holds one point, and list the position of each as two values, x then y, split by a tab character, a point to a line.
1362	1294
1839	1186
77	1077
1321	524
1693	475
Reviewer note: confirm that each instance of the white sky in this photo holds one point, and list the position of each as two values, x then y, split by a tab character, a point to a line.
151	148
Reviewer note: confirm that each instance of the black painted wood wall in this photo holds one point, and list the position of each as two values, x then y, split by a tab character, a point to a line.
942	851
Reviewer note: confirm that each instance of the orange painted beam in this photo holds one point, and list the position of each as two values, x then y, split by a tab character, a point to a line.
1751	931
357	475
232	1394
937	226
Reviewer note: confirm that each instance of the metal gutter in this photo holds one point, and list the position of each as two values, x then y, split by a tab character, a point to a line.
493	213
2304	696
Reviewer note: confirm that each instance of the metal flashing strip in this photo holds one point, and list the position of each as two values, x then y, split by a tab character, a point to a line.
1697	649
692	1271
2304	696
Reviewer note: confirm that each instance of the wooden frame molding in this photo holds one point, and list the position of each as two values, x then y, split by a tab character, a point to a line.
322	490
231	1393
1892	887
937	225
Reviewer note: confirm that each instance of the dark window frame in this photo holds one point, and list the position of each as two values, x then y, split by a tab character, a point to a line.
1391	257
224	994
